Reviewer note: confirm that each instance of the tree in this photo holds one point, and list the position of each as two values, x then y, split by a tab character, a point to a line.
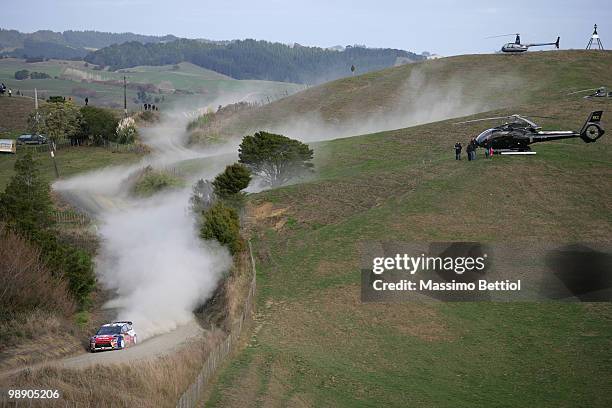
58	120
98	123
26	205
22	74
222	223
275	158
234	179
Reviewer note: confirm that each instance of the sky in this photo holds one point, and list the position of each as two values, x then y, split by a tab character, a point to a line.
443	27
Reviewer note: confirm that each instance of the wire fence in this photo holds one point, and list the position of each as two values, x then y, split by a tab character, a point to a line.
193	394
70	217
62	144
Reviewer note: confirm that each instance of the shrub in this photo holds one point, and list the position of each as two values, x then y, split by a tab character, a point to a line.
126	131
39	75
152	181
98	123
234	179
222	223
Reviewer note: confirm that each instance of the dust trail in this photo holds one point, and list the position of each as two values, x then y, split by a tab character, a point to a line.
150	255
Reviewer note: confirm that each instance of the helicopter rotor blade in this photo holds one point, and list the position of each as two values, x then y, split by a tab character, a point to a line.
584	90
541	117
483	119
503	35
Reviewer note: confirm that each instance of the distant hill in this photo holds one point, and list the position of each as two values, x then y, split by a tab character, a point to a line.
66	45
251	59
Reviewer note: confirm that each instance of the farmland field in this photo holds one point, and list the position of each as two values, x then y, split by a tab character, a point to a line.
183	82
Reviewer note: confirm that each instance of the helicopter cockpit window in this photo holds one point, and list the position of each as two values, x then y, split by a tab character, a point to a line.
484	136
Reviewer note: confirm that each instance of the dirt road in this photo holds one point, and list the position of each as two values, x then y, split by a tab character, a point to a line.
151	348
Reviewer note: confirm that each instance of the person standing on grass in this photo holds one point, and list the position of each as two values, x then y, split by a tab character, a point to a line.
491	152
458	148
468	150
86	101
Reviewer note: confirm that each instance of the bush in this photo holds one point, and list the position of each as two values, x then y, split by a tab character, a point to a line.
222	223
98	123
126	131
152	181
39	75
234	179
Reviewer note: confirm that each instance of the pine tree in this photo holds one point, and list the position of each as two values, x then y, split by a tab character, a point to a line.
26	204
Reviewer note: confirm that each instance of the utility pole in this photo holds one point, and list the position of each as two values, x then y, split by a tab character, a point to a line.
595	38
125	96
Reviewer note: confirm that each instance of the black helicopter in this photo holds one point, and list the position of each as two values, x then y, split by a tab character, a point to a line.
516	46
515	136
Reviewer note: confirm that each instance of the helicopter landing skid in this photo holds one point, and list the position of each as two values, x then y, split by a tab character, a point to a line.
516	153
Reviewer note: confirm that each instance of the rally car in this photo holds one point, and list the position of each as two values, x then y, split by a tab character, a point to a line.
113	336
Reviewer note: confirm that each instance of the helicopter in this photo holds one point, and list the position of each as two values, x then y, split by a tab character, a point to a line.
518	132
600	92
516	46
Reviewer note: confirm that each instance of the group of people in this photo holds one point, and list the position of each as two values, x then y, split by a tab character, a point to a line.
8	91
4	90
471	150
148	106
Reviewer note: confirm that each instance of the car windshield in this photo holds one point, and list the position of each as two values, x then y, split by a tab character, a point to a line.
109	330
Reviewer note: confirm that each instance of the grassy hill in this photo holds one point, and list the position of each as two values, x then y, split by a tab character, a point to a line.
425	91
315	343
15	111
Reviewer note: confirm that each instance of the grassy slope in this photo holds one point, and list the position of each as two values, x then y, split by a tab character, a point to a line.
317	345
207	84
70	161
14	114
489	81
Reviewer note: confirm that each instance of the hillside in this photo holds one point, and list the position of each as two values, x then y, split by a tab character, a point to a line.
422	92
65	45
251	59
316	344
15	111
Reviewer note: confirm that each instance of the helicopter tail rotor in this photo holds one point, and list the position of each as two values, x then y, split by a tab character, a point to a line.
592	129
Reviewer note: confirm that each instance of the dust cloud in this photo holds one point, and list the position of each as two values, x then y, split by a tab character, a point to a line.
151	257
421	98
